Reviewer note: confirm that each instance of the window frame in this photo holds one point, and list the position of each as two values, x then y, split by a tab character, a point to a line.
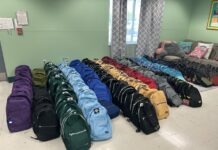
131	42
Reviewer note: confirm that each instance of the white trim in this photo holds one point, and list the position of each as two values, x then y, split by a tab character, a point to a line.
3	77
110	23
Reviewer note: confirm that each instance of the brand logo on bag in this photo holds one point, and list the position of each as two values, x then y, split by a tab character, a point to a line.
96	110
71	134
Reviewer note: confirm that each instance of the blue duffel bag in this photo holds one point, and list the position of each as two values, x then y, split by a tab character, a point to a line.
95	114
101	90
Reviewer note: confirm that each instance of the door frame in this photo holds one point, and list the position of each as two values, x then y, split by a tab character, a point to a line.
3	61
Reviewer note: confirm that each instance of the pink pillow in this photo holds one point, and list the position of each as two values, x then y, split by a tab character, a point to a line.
199	52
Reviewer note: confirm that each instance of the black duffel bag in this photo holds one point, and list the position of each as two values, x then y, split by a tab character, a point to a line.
44	119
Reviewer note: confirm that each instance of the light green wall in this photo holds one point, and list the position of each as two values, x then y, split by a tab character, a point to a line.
57	29
176	19
79	28
198	24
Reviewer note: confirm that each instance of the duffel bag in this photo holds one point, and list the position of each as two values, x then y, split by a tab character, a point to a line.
45	122
39	77
18	111
75	131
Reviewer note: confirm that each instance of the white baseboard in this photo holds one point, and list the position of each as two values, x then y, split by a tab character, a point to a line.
3	77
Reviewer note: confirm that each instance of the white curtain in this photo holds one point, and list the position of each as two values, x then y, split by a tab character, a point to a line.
151	14
119	20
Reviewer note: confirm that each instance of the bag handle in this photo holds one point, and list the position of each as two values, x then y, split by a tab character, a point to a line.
66	61
44	61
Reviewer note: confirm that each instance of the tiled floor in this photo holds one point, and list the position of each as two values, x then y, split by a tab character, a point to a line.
185	129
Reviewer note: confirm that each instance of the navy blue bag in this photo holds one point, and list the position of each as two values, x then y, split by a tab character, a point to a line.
101	90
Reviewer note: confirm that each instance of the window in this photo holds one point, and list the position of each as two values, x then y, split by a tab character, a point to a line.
133	11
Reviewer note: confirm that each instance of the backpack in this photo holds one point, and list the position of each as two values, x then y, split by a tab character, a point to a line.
44	119
121	94
95	114
134	105
100	89
45	122
18	112
143	114
54	82
112	110
39	92
75	131
39	77
65	88
100	123
64	98
18	108
190	95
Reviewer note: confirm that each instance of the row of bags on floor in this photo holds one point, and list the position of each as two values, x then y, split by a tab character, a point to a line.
156	97
135	106
177	91
31	106
158	67
205	75
74	128
81	97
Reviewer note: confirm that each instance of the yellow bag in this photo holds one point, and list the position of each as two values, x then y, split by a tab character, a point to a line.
156	97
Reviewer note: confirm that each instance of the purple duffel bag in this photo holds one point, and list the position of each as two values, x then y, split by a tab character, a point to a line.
24	75
18	111
20	84
23	79
25	91
22	68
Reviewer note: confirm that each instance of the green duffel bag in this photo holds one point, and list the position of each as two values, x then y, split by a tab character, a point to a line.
62	107
65	87
49	66
39	77
74	130
62	101
64	95
54	82
54	72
